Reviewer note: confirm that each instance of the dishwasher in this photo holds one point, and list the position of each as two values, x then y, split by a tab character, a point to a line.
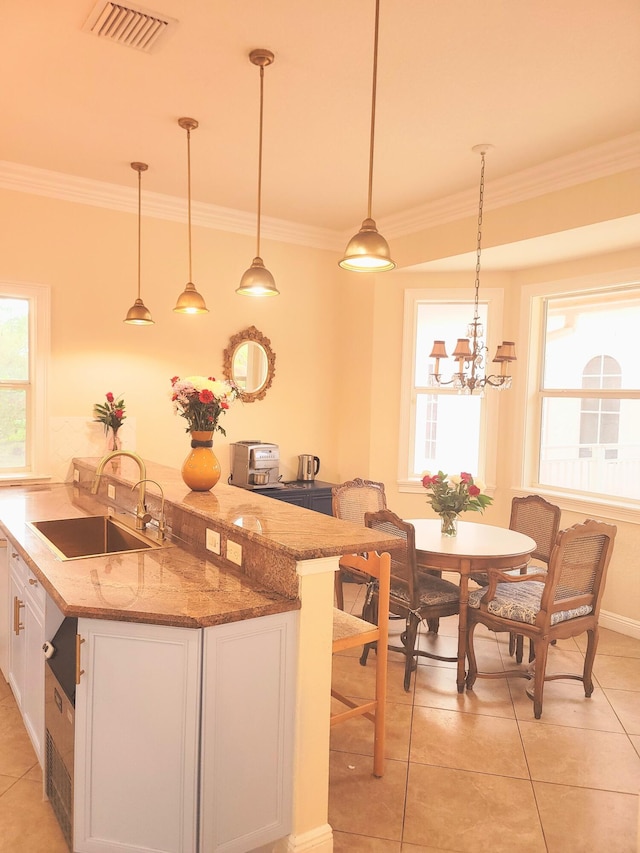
59	721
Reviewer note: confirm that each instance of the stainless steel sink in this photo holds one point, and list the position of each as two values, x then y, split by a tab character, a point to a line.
92	536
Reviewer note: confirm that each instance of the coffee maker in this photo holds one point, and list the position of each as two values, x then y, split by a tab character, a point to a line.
255	465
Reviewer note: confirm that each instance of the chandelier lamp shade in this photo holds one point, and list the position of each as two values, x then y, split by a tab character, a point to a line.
189	301
139	314
470	351
368	251
257	280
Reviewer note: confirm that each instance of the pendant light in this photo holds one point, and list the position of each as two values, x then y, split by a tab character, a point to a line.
189	301
368	251
257	280
139	314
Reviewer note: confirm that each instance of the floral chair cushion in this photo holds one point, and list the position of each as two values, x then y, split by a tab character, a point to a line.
520	602
432	589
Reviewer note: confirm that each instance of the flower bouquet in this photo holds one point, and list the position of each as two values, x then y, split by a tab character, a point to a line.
111	414
451	495
201	400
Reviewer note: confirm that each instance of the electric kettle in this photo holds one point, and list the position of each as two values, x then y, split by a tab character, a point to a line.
308	466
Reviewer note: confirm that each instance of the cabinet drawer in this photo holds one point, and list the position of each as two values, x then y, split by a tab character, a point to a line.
32	586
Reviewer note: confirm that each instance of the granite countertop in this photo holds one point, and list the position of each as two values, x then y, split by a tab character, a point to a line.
181	585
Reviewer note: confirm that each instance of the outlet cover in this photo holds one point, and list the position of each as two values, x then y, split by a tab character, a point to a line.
111	491
212	541
234	552
76	475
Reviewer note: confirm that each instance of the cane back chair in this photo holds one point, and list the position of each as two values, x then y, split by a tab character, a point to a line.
560	603
350	501
415	596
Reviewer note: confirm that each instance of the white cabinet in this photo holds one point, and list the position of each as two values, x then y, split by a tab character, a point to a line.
137	738
27	600
5	611
247	733
184	733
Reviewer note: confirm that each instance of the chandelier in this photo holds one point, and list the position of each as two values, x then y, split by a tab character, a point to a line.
470	351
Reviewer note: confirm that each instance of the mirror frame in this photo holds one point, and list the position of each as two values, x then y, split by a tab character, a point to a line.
250	335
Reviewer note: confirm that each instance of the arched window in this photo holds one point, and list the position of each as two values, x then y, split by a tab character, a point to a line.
600	419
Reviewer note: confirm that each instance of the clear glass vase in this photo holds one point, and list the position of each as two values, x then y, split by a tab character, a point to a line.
449	523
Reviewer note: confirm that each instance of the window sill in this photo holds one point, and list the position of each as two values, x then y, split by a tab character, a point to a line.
23	479
615	510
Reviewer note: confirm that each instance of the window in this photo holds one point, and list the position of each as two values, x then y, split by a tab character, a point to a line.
589	439
24	342
441	428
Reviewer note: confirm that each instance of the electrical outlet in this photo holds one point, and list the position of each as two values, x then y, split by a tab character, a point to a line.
111	491
234	552
76	475
212	541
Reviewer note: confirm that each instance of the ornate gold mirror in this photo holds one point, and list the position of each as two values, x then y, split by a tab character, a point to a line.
250	362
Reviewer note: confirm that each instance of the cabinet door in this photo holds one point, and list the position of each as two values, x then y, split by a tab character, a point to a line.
5	609
16	638
137	738
33	692
321	502
247	733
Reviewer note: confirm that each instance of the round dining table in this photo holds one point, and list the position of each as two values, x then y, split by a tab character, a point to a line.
476	548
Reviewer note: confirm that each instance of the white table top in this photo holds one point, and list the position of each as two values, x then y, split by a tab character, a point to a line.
473	539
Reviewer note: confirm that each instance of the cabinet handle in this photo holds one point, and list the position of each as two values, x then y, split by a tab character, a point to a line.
17	624
33	582
79	672
14	555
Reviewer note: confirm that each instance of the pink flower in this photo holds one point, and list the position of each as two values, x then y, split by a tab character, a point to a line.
466	478
109	397
474	491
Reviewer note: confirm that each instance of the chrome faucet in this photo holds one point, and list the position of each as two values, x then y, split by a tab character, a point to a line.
142	516
162	524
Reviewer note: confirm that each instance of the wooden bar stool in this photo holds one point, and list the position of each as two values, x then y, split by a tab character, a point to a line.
350	631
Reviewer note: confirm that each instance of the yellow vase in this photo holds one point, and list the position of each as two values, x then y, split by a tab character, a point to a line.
201	469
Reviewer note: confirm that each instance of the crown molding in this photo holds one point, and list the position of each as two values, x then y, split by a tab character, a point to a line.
599	161
609	158
29	179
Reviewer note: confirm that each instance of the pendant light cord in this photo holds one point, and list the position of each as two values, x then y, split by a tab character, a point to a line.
373	106
260	160
189	195
139	224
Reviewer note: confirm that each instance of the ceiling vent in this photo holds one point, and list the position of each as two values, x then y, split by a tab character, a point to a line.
132	26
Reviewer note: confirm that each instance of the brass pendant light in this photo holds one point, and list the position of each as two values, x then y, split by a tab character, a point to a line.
368	251
139	314
189	301
257	280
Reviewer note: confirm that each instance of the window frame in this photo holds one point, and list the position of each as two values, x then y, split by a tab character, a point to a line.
37	456
532	327
493	298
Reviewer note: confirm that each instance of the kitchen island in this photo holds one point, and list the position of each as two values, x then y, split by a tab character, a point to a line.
228	663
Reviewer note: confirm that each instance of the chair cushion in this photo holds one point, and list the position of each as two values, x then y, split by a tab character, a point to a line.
432	590
520	602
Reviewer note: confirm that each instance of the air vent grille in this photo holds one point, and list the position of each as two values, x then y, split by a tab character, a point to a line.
131	26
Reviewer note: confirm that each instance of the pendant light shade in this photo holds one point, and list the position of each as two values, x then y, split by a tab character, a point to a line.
257	280
368	251
139	314
189	301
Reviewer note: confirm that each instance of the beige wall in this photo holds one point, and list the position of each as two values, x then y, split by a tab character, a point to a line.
337	336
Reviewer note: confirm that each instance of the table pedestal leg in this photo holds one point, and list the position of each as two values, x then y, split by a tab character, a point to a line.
462	624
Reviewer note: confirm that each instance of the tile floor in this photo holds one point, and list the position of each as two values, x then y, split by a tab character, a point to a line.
477	772
474	772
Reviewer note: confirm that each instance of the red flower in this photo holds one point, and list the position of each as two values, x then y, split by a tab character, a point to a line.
466	478
211	378
474	491
224	404
427	480
119	413
206	396
109	397
174	379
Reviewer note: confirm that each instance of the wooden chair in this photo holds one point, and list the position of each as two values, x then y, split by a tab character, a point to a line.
350	501
348	632
560	603
414	595
535	517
